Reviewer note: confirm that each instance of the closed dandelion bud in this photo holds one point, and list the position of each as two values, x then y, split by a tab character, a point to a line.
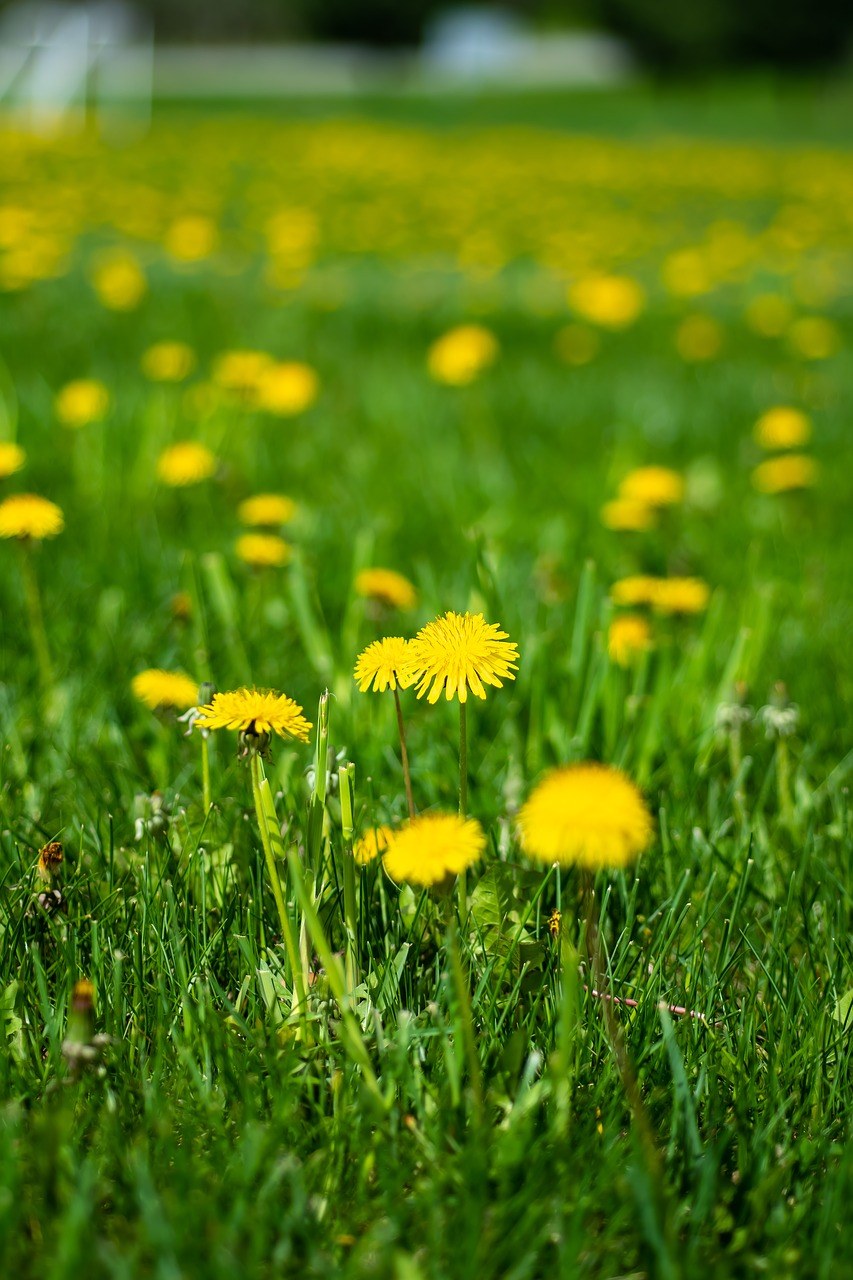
81	1016
206	692
346	778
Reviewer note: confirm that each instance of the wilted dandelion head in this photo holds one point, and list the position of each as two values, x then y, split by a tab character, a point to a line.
161	690
433	848
168	362
461	354
387	586
286	389
26	515
783	427
627	515
82	401
119	281
263	550
586	814
629	635
681	595
257	711
655	486
185	463
370	845
460	651
12	458
790	471
613	302
382	665
267	510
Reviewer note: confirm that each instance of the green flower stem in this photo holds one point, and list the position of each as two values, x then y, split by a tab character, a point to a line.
564	1058
462	883
205	774
463	1000
259	785
345	790
404	755
783	781
35	616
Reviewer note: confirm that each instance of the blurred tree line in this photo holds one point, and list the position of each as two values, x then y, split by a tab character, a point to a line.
669	34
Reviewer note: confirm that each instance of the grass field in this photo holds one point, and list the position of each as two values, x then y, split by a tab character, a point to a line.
385	1080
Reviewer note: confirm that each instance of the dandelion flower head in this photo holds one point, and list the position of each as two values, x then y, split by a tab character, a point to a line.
168	362
460	355
82	401
814	338
382	665
790	471
255	711
286	389
185	463
637	589
460	651
433	848
240	371
627	515
681	595
783	427
26	515
160	689
119	281
387	586
586	814
263	550
266	510
699	338
656	486
629	635
191	238
370	845
12	458
613	302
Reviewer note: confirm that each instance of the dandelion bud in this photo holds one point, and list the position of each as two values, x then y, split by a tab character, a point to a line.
50	860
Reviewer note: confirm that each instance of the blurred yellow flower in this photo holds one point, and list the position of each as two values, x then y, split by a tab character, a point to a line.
576	344
12	458
119	281
655	486
433	848
191	238
185	463
386	585
613	302
160	689
266	510
287	388
634	590
255	711
789	471
26	515
80	402
240	371
783	427
769	314
460	651
628	515
168	362
370	845
263	550
383	665
629	636
814	338
685	273
680	595
461	354
699	338
589	815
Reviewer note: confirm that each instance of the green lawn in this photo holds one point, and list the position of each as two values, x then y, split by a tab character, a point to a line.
445	1118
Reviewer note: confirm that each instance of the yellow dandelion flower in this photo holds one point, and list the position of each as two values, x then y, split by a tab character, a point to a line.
458	652
814	338
240	371
656	486
699	338
613	302
433	848
586	814
790	471
26	515
637	589
160	689
370	845
266	510
286	389
263	550
628	515
461	354
382	665
681	595
255	711
185	463
685	273
82	401
119	281
387	586
576	344
783	427
12	458
629	635
769	314
191	238
168	361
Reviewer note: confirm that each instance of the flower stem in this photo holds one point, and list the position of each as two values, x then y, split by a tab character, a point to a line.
275	882
783	781
404	755
463	1000
35	617
205	774
462	882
